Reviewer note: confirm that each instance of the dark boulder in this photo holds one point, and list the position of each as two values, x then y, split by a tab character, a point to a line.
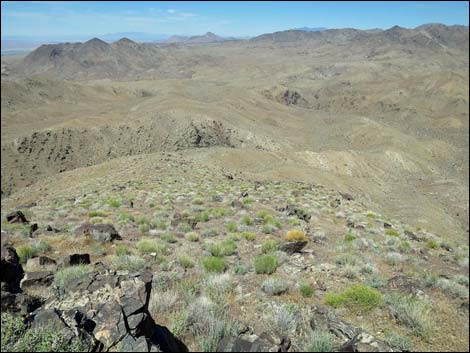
39	278
17	217
76	259
11	271
293	246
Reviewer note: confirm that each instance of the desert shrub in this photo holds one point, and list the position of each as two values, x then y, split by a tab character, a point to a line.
151	246
357	296
240	270
248	200
249	236
404	247
452	288
202	216
247	220
394	258
371	215
411	312
224	248
268	229
392	232
275	286
197	201
295	235
319	341
432	244
347	259
25	252
232	226
349	238
265	264
98	250
269	246
184	227
121	250
128	262
283	319
306	290
67	275
168	237
208	233
114	203
185	262
144	228
96	213
159	224
376	281
398	341
126	217
163	302
192	236
214	264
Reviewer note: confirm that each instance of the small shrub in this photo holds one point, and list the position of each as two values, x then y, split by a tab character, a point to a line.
392	232
432	244
202	217
214	264
122	250
371	215
151	246
249	236
114	203
197	201
247	220
163	301
376	281
452	288
320	341
358	296
192	236
232	226
128	263
208	233
398	341
275	286
144	228
268	229
265	264
98	250
269	246
224	248
67	275
306	290
169	238
25	252
349	238
283	319
96	213
411	312
346	259
185	262
240	270
296	235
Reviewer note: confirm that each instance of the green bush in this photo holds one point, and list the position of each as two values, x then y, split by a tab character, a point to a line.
249	236
114	203
224	248
247	220
269	246
25	252
349	238
232	226
144	228
306	290
397	341
96	213
185	262
432	244
151	246
168	237
392	232
67	275
357	296
122	250
275	286
214	264
202	217
265	264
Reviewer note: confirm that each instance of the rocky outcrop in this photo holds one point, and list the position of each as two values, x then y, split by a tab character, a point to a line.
292	247
17	217
11	271
354	339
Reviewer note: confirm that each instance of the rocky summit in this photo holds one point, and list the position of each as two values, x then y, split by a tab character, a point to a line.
302	190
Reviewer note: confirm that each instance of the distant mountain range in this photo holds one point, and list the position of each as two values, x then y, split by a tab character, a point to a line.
205	38
311	29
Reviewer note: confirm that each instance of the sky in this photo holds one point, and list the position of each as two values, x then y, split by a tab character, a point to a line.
58	19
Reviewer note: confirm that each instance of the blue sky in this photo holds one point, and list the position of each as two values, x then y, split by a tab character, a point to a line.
59	19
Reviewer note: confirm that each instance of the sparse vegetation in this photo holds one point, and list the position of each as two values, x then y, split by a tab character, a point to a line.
296	235
320	341
214	264
306	290
275	286
67	275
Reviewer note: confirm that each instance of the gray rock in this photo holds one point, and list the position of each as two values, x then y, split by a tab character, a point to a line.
39	278
104	233
17	217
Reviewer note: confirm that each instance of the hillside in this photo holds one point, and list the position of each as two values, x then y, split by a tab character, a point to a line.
336	158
